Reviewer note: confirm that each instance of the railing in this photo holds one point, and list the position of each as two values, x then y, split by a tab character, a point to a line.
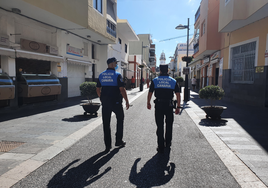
197	14
111	28
196	47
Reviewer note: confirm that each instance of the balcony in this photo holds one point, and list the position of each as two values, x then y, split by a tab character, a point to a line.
152	48
197	14
196	47
233	16
151	59
111	28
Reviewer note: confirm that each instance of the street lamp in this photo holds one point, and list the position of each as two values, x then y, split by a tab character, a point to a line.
141	84
186	90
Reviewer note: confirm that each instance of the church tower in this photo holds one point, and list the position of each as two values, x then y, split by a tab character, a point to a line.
163	59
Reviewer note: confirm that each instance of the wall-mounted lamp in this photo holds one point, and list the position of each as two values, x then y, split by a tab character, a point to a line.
68	44
16	10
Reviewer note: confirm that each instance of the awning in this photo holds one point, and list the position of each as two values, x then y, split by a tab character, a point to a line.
79	62
205	64
214	61
38	56
7	52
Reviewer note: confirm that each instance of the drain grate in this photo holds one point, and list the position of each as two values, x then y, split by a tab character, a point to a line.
6	146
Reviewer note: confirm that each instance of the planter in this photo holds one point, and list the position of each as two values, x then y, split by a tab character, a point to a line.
213	112
91	108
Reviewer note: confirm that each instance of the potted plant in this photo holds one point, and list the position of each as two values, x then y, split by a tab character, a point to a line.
187	59
212	93
88	89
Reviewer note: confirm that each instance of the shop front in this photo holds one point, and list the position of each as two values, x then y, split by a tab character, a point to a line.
36	73
77	70
214	65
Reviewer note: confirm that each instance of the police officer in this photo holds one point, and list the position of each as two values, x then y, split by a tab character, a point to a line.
164	88
110	89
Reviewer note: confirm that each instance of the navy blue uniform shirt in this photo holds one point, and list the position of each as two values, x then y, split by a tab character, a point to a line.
164	87
110	81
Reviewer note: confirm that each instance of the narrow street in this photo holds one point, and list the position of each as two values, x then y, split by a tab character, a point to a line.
191	162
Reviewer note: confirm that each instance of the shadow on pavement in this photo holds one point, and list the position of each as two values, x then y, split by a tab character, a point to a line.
33	109
252	119
85	173
157	171
78	118
212	123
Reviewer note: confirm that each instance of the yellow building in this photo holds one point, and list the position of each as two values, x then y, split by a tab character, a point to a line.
244	51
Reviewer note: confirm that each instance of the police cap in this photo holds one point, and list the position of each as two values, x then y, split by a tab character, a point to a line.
111	60
164	68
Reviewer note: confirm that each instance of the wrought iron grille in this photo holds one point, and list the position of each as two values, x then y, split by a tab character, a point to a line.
243	61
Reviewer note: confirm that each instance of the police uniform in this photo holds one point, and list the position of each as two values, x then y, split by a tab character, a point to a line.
111	100
164	88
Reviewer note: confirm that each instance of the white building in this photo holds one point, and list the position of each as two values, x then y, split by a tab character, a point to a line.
162	58
42	42
120	50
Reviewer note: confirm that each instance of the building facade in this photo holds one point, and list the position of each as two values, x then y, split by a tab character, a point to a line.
120	50
57	44
207	44
244	51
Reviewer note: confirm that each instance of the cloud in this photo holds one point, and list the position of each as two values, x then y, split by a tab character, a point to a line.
155	40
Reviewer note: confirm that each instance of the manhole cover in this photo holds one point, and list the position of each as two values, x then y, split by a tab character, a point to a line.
6	146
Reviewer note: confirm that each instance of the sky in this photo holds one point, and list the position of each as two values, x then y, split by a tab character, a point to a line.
159	18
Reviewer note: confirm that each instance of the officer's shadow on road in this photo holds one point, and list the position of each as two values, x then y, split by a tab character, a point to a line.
85	173
157	171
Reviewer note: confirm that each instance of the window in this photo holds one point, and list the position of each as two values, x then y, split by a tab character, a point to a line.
125	48
203	28
242	62
97	4
226	2
111	28
93	51
119	41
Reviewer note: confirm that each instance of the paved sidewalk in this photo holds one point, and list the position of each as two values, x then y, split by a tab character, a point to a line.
37	133
243	129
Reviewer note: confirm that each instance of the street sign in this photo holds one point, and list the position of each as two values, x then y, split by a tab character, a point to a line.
186	70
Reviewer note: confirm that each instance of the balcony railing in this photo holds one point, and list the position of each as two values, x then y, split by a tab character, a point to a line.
196	47
197	14
111	28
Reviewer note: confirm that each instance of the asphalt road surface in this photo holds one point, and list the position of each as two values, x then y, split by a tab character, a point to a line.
191	162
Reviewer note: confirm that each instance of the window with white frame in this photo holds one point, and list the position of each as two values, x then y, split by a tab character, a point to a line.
242	63
97	4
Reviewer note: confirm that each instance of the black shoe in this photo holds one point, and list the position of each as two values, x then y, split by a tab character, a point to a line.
107	150
160	150
120	144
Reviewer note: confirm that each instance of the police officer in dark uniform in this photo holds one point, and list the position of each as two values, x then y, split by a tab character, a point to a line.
111	90
164	88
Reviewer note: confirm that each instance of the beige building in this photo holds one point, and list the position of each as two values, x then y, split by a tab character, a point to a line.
244	50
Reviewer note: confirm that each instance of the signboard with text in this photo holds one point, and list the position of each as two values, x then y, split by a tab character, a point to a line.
74	51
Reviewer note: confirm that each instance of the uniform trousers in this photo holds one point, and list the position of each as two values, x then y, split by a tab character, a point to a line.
107	109
160	115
